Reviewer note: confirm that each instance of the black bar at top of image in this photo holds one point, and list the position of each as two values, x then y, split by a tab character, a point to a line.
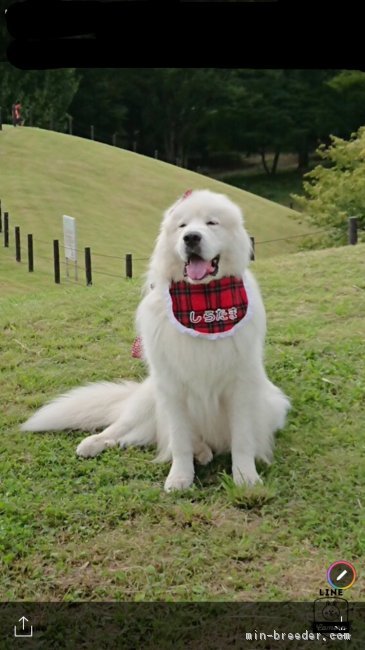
165	33
91	33
31	19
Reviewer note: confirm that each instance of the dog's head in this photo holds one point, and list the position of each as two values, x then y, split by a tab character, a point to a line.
202	238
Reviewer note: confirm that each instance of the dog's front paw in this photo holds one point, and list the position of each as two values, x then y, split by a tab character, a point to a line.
93	445
245	475
176	481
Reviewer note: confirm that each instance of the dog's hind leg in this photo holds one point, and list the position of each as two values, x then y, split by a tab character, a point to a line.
138	419
140	436
124	432
202	453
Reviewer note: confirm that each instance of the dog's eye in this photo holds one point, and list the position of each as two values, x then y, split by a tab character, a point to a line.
212	223
182	225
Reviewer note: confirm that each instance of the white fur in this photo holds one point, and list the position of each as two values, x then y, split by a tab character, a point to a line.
201	396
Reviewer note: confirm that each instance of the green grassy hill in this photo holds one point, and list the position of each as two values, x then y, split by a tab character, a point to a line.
103	528
116	196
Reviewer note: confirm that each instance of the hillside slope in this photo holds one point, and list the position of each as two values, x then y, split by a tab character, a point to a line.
116	196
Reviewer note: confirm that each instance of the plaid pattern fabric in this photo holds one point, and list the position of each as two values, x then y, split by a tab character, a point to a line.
209	308
137	348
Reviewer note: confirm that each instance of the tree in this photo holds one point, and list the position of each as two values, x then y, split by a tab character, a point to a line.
347	101
274	111
311	112
44	94
99	102
335	190
191	113
270	120
178	111
178	107
250	114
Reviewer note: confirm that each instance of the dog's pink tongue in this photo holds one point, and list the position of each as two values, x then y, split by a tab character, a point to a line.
198	269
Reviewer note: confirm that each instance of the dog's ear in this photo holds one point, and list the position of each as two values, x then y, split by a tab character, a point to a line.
178	201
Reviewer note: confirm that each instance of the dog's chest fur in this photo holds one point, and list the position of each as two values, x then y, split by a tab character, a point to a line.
202	372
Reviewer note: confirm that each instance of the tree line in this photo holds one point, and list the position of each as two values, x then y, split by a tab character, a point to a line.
196	115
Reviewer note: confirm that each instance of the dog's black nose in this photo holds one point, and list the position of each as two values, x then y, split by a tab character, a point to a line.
192	239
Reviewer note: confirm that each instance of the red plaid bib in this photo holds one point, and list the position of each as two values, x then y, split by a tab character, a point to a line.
137	348
212	310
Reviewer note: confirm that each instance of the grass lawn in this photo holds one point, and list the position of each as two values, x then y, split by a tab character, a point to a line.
103	528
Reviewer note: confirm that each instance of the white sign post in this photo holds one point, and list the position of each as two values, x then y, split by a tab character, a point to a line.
69	236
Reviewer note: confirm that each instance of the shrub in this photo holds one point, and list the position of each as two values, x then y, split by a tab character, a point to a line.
335	189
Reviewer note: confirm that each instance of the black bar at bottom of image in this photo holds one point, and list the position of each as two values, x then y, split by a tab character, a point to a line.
207	626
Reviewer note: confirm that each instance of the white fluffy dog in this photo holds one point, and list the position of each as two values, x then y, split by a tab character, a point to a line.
202	326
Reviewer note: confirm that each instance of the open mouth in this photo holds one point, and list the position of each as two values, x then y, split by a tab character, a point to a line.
197	269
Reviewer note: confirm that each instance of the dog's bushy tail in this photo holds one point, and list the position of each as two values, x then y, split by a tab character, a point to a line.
86	408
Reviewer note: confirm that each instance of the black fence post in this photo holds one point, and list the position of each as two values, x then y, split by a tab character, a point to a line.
353	230
92	132
114	139
89	280
18	254
56	259
6	229
30	254
70	118
128	265
252	258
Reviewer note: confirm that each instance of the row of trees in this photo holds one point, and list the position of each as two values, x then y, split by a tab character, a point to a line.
191	113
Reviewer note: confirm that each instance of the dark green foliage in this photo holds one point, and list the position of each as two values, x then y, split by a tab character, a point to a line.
334	190
186	115
44	94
